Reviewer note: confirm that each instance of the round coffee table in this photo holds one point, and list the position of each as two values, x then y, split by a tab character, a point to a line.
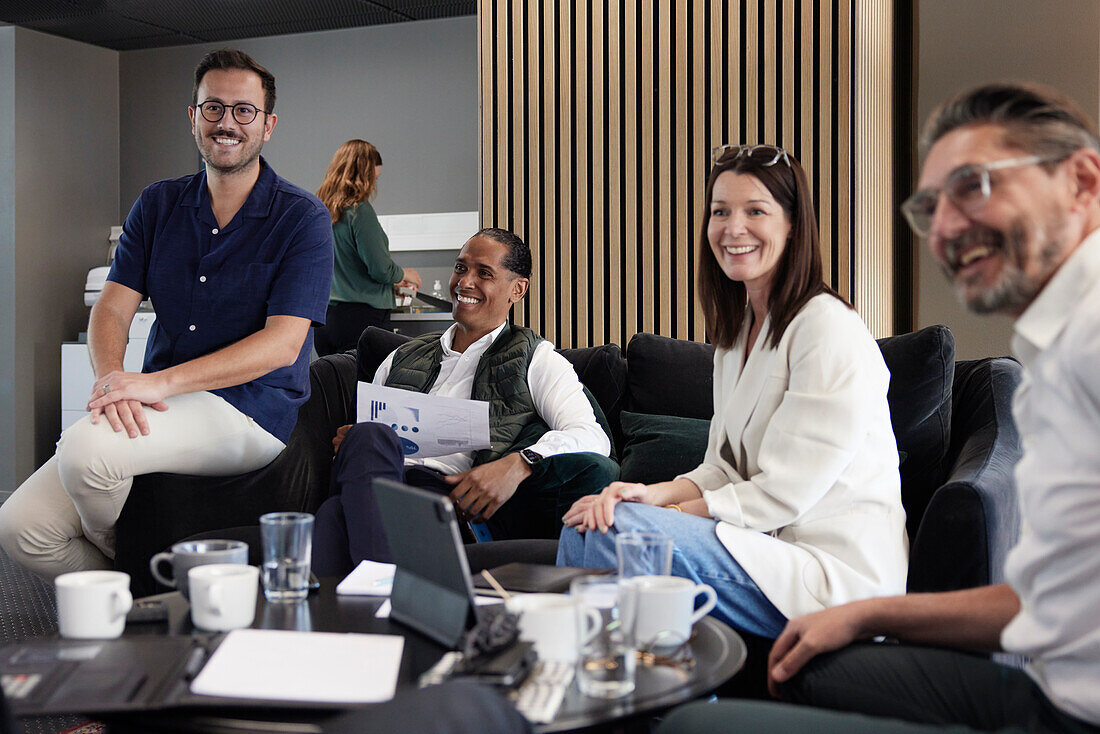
717	650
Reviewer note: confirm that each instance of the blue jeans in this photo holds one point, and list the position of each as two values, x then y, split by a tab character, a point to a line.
697	554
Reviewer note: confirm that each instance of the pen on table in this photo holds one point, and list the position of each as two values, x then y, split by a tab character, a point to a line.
194	662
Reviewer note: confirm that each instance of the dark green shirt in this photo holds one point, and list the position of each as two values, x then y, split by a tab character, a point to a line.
363	271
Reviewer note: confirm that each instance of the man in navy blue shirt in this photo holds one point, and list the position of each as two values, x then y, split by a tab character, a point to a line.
237	264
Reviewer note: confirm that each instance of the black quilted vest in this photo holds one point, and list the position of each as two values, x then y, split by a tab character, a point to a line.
500	380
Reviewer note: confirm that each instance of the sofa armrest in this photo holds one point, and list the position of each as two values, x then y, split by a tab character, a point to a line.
973	519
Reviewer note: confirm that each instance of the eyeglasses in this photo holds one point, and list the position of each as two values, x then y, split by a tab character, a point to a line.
722	152
968	188
243	112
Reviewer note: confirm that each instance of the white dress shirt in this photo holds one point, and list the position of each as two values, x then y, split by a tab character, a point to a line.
555	389
1055	566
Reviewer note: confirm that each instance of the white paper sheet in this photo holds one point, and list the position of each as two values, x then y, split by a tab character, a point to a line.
385	608
369	578
322	667
427	425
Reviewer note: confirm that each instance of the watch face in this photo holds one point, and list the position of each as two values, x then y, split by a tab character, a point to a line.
531	457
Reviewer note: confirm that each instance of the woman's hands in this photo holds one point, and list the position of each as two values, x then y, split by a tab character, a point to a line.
598	510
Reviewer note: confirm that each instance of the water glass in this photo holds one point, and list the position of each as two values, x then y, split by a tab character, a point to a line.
643	554
287	539
606	656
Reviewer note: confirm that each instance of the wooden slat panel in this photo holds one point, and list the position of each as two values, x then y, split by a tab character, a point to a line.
707	24
662	170
614	169
825	130
589	288
789	138
488	99
843	193
630	171
550	142
517	217
566	244
535	203
646	175
751	76
600	179
681	233
597	123
807	155
504	159
770	112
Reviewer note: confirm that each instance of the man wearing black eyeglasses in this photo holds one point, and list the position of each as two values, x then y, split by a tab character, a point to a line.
1009	202
236	262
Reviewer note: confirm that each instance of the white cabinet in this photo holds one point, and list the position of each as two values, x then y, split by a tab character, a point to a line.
77	377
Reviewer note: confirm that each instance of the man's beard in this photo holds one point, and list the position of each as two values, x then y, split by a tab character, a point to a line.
251	151
1014	288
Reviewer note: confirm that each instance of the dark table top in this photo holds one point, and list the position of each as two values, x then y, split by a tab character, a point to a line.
719	653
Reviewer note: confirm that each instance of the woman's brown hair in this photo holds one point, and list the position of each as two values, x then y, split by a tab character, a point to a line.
350	178
798	274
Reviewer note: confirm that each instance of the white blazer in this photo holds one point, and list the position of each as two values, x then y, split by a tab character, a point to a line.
801	469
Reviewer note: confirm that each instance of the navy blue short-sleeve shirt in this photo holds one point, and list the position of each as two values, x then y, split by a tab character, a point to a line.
212	286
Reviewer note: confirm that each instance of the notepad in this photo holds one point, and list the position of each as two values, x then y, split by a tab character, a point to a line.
311	667
369	578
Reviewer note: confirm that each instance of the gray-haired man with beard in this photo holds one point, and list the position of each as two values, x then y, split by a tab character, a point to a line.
1009	201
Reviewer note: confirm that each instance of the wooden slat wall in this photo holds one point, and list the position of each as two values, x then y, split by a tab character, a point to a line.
597	124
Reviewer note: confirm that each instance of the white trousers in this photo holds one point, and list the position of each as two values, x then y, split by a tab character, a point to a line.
63	517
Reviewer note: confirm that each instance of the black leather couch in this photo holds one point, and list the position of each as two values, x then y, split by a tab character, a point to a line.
951	420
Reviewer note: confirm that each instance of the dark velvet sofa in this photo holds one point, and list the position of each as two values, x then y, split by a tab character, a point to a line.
951	419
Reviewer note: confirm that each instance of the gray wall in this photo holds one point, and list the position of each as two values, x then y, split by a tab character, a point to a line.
7	260
962	44
409	88
65	183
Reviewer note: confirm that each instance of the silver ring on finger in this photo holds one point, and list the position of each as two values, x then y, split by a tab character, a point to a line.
106	388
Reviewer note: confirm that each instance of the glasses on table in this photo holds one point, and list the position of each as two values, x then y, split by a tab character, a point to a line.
243	112
968	188
728	153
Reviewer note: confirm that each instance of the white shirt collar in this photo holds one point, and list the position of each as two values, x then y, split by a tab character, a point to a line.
1045	318
483	343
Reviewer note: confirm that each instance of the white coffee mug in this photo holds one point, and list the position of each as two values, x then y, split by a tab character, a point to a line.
223	596
549	622
666	609
92	605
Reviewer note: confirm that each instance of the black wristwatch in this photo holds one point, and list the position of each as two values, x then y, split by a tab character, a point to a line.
531	457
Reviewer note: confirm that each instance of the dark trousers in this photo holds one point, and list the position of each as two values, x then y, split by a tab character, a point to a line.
348	528
344	322
457	707
897	689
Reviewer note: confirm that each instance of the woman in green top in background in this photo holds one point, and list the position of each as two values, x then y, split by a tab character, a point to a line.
364	276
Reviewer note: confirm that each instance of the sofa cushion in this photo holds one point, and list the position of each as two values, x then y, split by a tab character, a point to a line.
922	367
669	376
603	371
661	447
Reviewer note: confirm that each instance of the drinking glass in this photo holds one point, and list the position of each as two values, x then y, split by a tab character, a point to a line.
643	554
606	656
287	539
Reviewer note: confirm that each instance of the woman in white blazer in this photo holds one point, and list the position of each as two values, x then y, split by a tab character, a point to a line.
797	504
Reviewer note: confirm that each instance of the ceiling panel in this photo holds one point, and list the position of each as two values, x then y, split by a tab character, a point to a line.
134	24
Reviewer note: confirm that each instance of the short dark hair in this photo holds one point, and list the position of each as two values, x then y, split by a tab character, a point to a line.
798	273
1035	118
518	259
231	58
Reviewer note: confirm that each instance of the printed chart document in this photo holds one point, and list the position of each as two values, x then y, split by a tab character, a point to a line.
427	425
324	667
